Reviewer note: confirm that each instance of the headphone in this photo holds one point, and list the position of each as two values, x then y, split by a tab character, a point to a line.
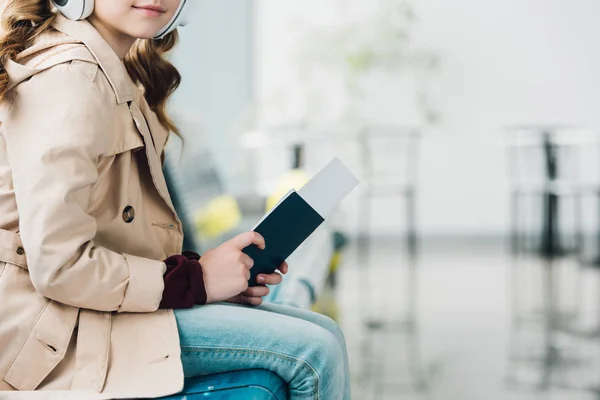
81	9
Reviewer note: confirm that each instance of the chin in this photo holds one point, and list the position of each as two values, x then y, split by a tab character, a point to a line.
145	33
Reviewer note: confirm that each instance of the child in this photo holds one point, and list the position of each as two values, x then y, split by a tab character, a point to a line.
95	292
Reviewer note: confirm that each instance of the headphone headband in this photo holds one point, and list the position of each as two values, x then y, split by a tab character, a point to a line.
81	9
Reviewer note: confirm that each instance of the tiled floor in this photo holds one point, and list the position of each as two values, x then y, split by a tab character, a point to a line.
440	327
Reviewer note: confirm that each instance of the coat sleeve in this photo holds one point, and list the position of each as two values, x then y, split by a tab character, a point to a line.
54	131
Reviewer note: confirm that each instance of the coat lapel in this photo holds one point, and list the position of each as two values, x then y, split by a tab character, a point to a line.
154	161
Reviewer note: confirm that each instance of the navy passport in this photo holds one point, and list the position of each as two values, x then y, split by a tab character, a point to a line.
289	224
298	215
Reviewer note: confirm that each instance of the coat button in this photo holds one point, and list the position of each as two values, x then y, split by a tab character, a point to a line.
20	250
128	214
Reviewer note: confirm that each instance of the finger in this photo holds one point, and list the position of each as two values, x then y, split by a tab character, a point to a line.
253	301
237	299
247	238
283	268
246	260
247	300
269	279
256	291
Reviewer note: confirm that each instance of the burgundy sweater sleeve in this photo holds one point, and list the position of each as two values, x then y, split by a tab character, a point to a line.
184	282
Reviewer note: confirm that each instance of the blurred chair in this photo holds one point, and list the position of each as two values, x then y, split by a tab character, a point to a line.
546	170
389	157
546	230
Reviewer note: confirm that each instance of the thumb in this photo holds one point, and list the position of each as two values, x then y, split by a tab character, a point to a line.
246	239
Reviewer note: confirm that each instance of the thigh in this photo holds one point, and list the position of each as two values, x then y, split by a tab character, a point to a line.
227	337
306	315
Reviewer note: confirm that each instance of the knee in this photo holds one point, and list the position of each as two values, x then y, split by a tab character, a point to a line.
327	352
333	327
318	369
326	359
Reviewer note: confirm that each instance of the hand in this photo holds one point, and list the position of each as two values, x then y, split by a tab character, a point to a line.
226	269
253	295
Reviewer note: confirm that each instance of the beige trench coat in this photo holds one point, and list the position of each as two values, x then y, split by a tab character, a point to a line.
85	220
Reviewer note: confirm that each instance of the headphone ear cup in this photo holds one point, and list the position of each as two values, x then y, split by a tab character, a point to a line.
188	12
181	18
75	9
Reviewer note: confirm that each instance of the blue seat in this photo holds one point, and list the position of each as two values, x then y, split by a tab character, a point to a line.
255	384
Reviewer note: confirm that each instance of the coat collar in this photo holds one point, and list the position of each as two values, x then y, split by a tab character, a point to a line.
113	67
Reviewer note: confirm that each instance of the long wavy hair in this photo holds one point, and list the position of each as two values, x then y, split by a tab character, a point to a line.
22	21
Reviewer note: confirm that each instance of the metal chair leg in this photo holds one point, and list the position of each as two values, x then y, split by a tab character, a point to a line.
411	225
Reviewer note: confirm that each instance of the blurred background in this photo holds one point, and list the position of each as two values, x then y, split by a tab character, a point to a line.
467	263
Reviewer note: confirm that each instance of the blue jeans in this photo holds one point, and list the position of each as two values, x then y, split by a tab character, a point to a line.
306	349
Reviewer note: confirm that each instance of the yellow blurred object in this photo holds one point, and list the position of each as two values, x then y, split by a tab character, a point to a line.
327	304
335	261
294	179
219	216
